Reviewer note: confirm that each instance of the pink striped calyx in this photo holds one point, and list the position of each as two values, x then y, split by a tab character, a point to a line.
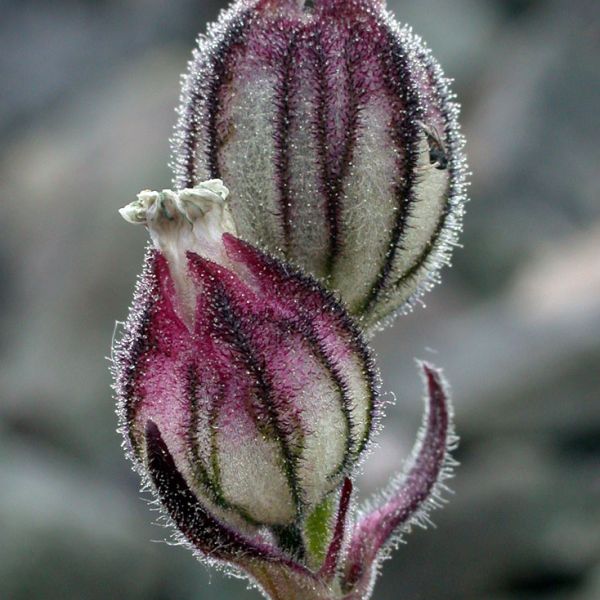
337	135
240	373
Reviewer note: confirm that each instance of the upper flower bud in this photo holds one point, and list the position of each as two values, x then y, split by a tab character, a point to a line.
336	133
255	378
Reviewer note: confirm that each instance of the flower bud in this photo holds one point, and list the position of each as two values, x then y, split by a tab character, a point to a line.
336	133
252	376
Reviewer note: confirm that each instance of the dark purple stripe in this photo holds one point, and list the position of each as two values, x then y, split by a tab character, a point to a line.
328	185
230	327
354	446
191	388
370	374
422	258
334	169
207	94
200	471
305	329
346	324
451	143
398	80
200	528
350	134
211	485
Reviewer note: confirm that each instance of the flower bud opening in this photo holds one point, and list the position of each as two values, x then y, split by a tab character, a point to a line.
191	220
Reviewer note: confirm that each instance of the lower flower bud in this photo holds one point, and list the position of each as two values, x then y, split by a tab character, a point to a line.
260	386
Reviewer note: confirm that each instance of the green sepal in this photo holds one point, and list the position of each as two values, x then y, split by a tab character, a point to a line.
318	531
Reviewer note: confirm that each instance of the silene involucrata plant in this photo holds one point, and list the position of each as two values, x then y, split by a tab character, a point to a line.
319	188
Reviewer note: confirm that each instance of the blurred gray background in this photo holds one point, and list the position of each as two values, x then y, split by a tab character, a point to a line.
86	110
